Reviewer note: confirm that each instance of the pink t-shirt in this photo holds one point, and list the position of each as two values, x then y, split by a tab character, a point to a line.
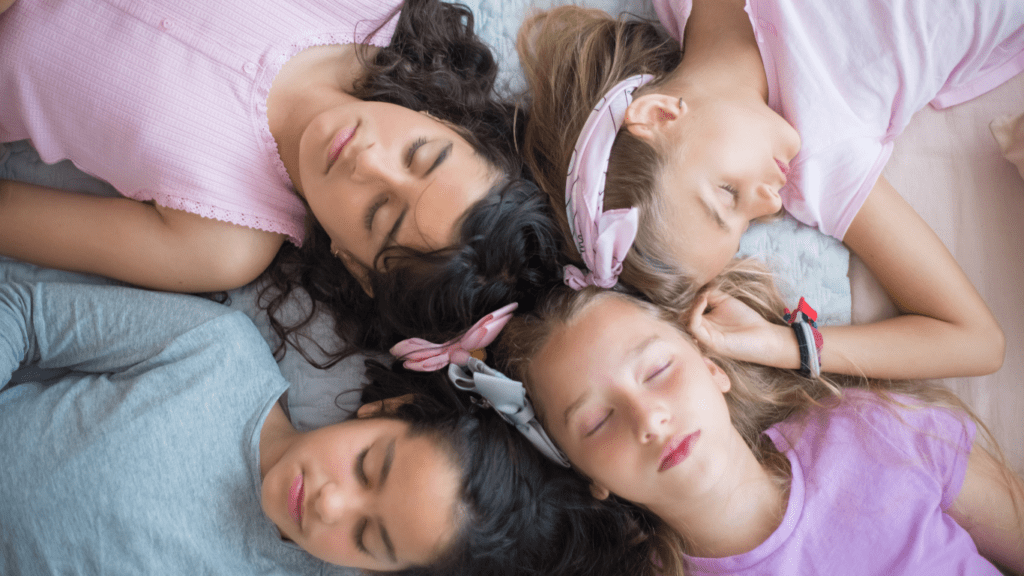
165	99
870	486
848	75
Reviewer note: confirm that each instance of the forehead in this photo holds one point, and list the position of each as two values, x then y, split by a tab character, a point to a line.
591	344
423	501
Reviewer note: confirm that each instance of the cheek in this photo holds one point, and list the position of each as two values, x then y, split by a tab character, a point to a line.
334	547
705	260
607	459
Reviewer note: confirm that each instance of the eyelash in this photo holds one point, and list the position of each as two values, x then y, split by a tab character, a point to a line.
412	150
599	424
653	375
372	212
730	189
658	372
361	467
360	530
365	481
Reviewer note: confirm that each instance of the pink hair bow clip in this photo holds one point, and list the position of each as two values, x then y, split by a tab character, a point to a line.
423	356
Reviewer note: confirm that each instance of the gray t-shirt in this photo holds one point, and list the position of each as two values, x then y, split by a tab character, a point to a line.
145	458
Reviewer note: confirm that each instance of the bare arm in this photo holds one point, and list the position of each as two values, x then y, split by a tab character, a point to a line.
5	4
945	328
127	240
989	507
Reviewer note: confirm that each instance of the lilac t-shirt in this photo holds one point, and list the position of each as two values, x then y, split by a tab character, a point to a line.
849	75
166	99
871	482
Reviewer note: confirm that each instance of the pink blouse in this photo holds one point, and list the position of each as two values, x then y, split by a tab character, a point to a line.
849	76
166	100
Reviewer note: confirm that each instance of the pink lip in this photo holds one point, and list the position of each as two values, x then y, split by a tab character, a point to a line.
676	452
295	497
338	144
784	167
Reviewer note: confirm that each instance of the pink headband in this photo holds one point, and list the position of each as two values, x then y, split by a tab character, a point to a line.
602	238
423	356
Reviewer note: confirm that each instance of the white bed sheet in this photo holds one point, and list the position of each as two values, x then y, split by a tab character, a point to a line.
949	167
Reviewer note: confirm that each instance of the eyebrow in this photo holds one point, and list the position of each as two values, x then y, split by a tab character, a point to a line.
390	238
630	354
385	470
713	214
440	158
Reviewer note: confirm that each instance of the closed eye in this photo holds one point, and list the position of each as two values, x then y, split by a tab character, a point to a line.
360	470
411	152
360	531
731	190
358	537
371	213
598	426
658	371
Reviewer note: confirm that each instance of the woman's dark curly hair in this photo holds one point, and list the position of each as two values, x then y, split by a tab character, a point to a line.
509	241
522	514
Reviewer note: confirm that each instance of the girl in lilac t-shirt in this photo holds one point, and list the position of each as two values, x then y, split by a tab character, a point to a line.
756	470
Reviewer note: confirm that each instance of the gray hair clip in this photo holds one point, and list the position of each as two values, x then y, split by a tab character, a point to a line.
508	398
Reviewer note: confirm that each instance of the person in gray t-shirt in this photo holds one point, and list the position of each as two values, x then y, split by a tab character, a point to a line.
164	450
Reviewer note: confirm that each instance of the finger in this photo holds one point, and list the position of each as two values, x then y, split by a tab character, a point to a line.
715	296
697	315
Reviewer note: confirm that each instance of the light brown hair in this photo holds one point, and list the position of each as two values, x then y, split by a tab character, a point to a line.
571	57
759	397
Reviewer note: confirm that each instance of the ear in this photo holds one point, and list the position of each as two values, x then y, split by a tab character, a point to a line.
383	407
648	115
355	268
718	375
599	492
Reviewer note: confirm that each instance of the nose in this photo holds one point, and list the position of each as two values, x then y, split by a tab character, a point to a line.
372	165
651	420
767	201
333	503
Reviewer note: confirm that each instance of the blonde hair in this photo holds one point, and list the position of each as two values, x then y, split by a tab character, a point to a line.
759	397
571	57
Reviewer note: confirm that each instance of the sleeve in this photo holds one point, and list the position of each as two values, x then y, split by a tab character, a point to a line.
941	439
958	431
92	328
673	15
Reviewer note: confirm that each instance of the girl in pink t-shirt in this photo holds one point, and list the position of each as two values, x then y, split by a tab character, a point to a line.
770	104
365	133
759	470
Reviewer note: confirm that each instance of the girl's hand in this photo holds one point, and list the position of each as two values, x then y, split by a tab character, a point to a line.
728	327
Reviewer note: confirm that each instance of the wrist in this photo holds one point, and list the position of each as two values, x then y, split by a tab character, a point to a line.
787	348
803	321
